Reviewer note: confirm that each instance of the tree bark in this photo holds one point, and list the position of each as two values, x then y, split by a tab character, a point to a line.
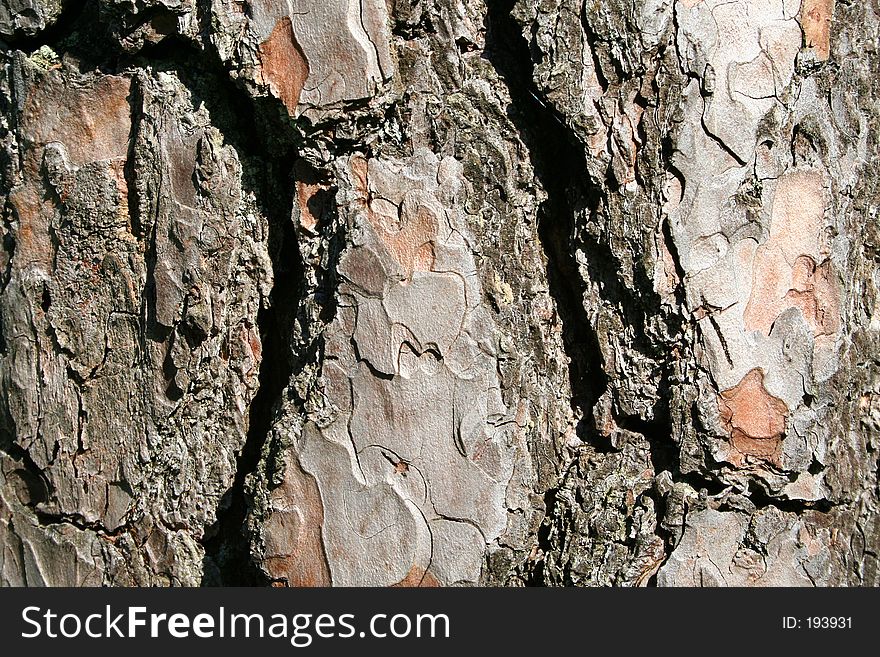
411	293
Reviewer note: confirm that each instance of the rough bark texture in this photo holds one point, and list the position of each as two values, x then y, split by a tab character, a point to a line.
357	292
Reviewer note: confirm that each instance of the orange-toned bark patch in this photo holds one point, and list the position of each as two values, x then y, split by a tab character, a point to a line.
815	291
294	545
408	232
304	193
32	235
284	65
117	169
754	419
417	578
308	185
785	275
816	23
92	120
409	236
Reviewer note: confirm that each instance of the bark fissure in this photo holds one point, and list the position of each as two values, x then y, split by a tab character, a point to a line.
560	167
263	136
60	30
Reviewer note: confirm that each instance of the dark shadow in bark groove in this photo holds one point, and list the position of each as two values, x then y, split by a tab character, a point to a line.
67	20
265	140
260	131
559	161
560	167
227	548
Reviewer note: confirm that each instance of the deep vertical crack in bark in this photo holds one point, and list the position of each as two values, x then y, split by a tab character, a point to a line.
560	167
266	145
558	157
559	163
228	544
263	136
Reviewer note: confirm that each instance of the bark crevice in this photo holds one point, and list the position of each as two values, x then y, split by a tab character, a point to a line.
560	166
265	138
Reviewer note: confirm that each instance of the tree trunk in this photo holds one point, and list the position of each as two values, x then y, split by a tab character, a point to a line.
414	293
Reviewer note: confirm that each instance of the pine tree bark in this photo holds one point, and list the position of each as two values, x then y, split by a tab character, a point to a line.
407	293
